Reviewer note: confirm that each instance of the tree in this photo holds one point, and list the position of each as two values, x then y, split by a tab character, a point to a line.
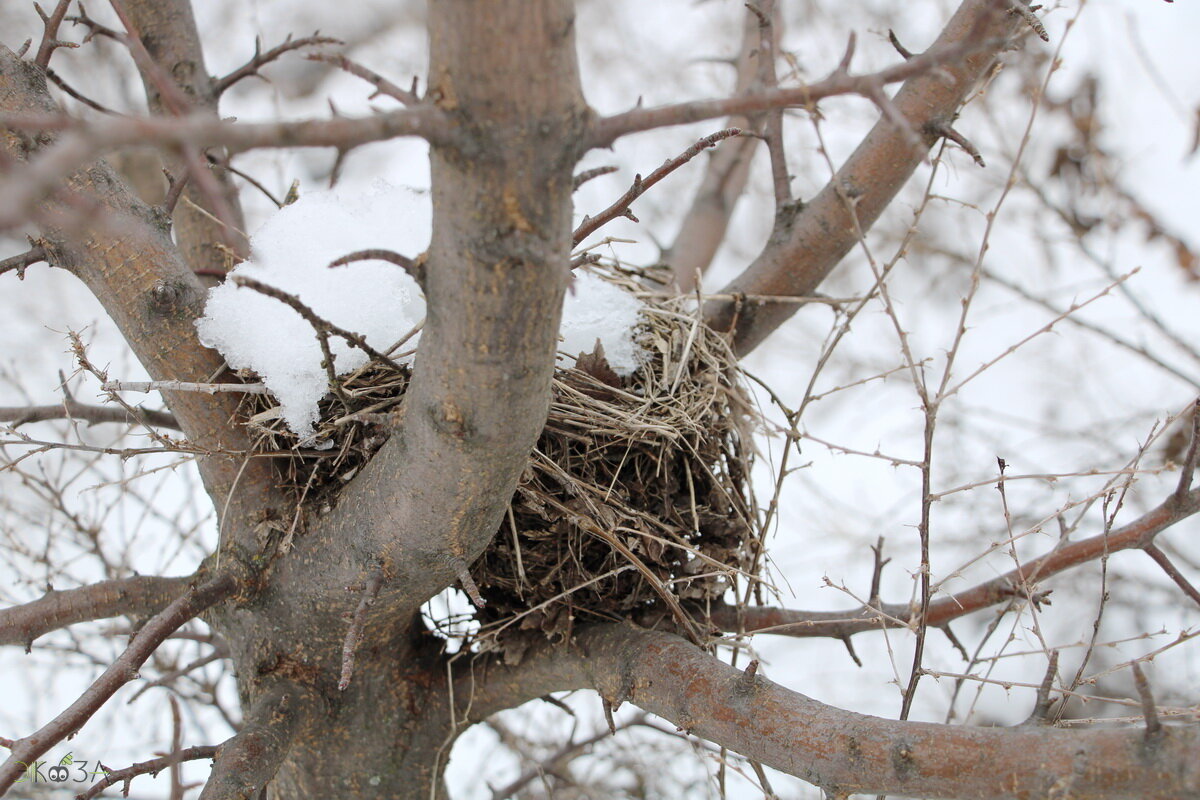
334	667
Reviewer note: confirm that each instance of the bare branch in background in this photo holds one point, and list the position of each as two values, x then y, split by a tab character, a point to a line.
191	603
620	207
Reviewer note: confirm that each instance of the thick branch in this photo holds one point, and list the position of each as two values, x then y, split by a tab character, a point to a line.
430	500
138	595
72	409
841	751
725	177
122	670
247	761
82	141
805	247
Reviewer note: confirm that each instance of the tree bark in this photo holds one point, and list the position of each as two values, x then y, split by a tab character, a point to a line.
841	751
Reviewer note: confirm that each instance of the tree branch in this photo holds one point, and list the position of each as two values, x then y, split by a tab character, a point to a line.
20	262
480	387
137	595
725	177
806	246
841	751
382	85
124	669
1138	534
980	40
245	763
261	59
72	409
151	767
132	266
620	206
83	141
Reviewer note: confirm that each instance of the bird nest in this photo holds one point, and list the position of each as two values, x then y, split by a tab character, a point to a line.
635	502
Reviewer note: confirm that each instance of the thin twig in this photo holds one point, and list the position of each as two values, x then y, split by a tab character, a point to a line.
50	25
151	767
620	208
1041	707
412	266
184	386
261	59
19	263
382	85
1188	468
1172	571
319	324
589	174
122	670
357	622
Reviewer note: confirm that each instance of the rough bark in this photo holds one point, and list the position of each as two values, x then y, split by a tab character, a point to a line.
138	595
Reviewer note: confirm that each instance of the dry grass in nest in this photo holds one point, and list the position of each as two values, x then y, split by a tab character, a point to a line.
635	502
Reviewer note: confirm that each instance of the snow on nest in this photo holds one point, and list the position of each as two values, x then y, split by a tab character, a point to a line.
378	300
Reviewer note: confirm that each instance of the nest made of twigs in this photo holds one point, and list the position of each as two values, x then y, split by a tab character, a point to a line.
635	501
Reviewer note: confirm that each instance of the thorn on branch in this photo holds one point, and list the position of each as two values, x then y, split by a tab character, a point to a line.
175	187
468	583
1149	712
1025	12
877	570
943	129
843	67
609	708
50	25
589	174
846	640
382	85
1189	460
354	634
904	52
19	263
261	59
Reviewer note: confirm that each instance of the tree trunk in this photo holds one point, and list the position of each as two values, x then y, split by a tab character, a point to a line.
432	498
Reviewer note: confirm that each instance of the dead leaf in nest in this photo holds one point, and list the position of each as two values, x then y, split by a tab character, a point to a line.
596	365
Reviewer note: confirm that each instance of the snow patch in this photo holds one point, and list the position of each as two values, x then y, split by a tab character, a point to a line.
376	299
